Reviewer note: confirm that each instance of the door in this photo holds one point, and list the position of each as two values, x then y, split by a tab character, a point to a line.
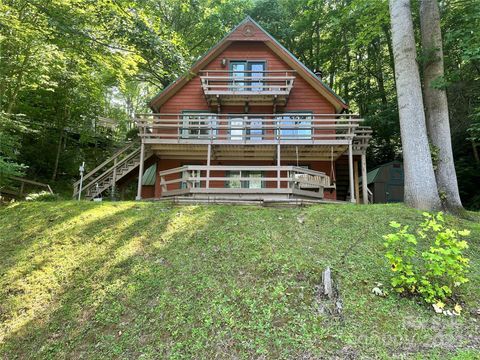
236	129
252	70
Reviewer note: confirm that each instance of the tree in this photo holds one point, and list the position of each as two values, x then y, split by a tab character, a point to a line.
436	105
420	186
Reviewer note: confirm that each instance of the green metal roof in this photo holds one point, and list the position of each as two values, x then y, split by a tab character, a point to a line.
372	175
149	175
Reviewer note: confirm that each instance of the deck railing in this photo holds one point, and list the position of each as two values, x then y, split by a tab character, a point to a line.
247	128
213	179
225	82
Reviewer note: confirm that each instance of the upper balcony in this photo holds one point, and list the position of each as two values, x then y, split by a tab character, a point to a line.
226	87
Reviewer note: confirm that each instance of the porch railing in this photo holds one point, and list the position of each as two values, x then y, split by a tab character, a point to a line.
247	128
209	179
225	82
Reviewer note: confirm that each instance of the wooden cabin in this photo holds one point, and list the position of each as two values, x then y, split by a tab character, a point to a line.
249	122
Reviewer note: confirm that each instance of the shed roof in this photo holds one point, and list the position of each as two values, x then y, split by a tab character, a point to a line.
148	178
372	175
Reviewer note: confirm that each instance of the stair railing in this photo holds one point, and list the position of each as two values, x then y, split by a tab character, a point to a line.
110	170
100	168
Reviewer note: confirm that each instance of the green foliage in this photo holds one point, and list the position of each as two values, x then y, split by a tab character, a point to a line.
434	153
429	263
9	149
41	196
153	280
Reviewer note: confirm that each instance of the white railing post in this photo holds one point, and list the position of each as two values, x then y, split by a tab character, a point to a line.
114	177
278	166
209	154
140	171
364	177
350	172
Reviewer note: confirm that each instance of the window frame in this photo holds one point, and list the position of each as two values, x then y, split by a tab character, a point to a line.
244	184
308	118
212	119
246	73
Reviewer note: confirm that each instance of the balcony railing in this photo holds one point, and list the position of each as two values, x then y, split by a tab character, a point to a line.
292	128
261	82
200	179
255	87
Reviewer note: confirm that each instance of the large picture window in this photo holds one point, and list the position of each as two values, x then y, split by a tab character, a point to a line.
296	126
198	124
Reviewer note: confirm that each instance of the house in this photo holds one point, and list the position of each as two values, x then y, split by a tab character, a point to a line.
249	122
386	182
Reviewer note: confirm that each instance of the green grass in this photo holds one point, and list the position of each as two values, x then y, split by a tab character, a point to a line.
153	280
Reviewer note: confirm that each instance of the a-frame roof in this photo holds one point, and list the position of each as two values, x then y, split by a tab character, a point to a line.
249	30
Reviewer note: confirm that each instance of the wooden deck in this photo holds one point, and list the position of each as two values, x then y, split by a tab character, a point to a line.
224	87
275	183
248	129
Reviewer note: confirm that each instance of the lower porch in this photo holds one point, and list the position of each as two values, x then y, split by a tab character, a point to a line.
247	183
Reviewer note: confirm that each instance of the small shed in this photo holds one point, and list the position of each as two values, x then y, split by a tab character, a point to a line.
148	182
386	182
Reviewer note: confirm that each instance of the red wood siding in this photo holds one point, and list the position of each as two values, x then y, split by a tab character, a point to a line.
190	97
302	97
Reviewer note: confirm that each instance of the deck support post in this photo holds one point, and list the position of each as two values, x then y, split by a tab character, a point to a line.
350	173
278	166
140	171
209	155
114	178
364	177
356	180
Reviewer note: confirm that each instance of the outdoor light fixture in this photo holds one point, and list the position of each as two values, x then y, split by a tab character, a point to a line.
224	62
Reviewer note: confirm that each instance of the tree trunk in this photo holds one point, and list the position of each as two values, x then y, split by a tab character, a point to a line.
57	157
436	106
420	186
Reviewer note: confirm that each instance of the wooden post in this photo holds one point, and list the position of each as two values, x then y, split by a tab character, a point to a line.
278	166
114	177
209	154
357	186
140	171
350	173
364	178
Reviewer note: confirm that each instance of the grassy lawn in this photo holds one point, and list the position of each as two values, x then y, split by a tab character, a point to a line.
153	280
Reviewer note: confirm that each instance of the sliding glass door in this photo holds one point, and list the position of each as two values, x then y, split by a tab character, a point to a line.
253	70
254	181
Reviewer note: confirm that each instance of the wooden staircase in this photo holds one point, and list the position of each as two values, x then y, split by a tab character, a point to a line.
106	175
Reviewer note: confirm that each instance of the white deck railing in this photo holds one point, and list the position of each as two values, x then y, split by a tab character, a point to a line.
225	82
206	127
206	179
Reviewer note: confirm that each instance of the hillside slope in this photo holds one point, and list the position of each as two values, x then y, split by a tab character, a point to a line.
124	280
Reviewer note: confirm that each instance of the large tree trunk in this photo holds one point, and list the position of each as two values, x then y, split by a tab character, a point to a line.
436	105
420	186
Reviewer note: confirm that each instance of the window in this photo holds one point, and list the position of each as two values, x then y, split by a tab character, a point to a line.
254	181
194	183
296	126
254	70
236	129
197	125
255	130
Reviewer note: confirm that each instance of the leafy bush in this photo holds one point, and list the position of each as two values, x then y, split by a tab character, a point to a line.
428	263
41	196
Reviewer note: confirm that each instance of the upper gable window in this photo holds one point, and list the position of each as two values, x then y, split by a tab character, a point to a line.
247	75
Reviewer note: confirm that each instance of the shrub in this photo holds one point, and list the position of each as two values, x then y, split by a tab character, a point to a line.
41	196
428	263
